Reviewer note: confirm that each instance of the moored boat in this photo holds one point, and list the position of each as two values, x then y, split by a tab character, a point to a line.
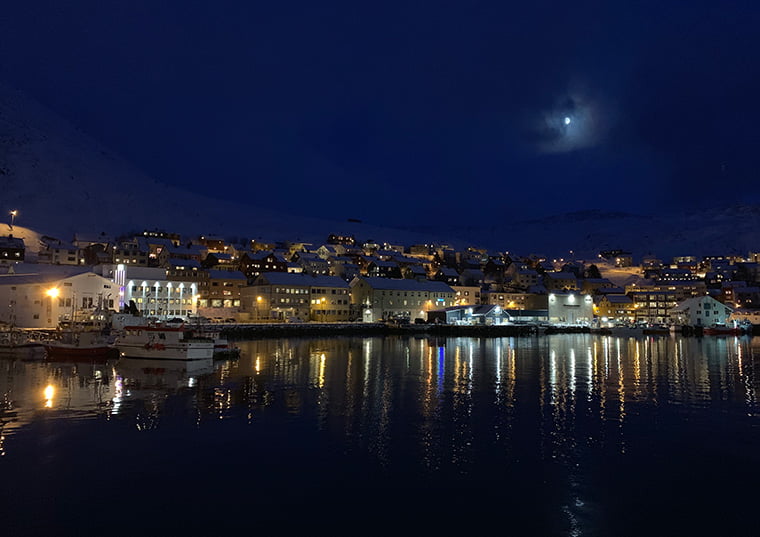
656	330
721	330
224	350
15	343
76	344
161	342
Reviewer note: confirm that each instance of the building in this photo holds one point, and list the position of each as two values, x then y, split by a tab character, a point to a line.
12	249
388	298
700	311
57	252
154	291
283	296
219	295
560	281
465	295
570	308
615	308
653	302
482	314
42	296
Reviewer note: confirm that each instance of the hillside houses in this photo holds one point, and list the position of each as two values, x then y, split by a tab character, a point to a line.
218	277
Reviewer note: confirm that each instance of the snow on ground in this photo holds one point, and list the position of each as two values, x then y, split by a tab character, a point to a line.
620	276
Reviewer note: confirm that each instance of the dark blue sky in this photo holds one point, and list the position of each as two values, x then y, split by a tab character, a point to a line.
410	111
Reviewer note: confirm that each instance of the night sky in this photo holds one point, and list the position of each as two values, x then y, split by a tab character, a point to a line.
410	112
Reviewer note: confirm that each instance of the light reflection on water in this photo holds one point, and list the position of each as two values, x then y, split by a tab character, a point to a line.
423	407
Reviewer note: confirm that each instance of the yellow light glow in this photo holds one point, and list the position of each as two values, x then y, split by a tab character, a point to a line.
258	299
49	393
53	293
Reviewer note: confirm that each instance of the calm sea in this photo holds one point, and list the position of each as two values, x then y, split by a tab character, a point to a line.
572	435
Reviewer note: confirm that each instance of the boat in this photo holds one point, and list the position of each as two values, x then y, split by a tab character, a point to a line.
656	330
74	344
15	343
720	329
162	342
224	350
626	330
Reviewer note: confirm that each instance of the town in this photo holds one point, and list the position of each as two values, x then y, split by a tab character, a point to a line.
162	275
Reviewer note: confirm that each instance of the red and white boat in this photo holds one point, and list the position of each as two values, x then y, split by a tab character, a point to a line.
162	342
76	345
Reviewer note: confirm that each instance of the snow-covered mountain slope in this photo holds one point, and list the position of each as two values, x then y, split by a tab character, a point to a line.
61	181
719	230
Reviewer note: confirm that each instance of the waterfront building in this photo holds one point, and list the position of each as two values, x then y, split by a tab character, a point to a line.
282	296
155	291
388	298
615	308
42	296
700	311
219	295
570	307
482	314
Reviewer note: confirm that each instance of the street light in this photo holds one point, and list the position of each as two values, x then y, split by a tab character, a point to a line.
13	214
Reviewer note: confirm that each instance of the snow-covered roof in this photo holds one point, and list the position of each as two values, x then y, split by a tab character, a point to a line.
226	275
290	278
189	263
396	284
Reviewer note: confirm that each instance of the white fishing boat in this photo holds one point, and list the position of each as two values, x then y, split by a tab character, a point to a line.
161	342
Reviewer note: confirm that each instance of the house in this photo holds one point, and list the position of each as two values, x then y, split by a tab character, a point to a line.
387	298
521	277
560	281
447	275
12	249
383	269
255	263
590	286
466	295
42	296
57	252
312	263
700	311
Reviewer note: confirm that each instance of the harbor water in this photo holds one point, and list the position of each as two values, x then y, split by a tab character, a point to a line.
566	435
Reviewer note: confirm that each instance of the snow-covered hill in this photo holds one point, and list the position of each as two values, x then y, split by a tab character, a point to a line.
61	181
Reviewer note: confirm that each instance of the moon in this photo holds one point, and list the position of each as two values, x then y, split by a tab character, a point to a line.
567	120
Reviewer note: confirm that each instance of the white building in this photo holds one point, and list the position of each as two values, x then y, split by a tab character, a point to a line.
154	292
51	294
570	308
700	311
